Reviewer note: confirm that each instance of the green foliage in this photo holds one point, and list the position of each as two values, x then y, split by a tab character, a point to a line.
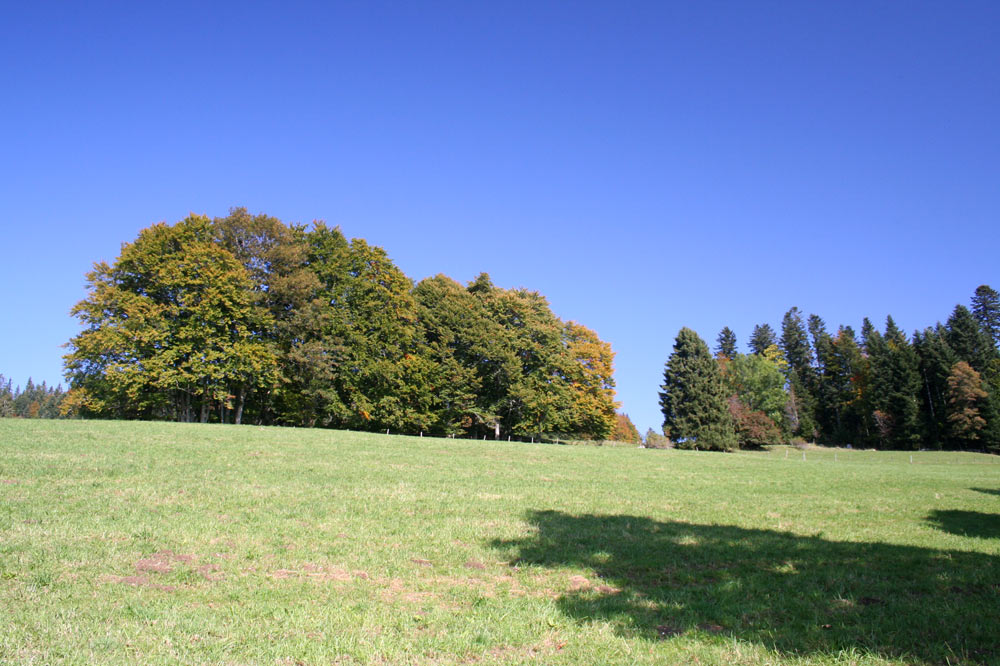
758	383
656	440
243	317
693	397
763	337
170	329
726	343
895	383
967	339
986	310
36	401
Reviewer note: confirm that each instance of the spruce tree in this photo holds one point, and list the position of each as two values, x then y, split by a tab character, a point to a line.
801	377
935	360
986	309
823	389
795	342
895	386
693	398
763	337
968	341
726	343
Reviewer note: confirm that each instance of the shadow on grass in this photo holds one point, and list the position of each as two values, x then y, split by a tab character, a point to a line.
988	491
793	594
967	523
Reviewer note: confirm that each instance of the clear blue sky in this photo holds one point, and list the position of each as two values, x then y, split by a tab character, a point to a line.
645	165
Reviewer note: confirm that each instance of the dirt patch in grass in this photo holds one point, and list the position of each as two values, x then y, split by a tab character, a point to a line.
473	564
163	562
317	572
421	562
210	572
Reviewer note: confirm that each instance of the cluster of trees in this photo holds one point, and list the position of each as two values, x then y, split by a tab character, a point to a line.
36	401
939	388
247	319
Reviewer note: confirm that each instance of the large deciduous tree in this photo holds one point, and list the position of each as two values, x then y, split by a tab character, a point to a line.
170	330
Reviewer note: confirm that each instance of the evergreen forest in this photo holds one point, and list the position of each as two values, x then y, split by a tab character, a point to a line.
34	401
246	319
936	389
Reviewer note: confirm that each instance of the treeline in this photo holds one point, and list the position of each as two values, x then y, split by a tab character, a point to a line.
246	319
938	388
36	401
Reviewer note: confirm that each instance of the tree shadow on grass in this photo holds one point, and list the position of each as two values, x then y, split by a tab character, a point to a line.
793	594
967	523
988	491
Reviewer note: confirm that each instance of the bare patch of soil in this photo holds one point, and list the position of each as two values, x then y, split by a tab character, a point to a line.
163	562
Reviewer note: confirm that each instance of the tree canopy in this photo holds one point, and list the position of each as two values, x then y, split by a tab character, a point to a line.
246	318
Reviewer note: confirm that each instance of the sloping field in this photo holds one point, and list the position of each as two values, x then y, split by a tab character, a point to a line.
167	543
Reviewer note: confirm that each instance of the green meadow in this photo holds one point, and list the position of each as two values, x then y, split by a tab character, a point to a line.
149	543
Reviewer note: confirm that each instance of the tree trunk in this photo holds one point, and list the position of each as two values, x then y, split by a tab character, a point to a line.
240	396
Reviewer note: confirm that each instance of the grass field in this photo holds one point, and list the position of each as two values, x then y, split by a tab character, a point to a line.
169	543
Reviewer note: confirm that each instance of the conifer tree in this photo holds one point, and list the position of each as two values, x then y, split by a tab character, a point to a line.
763	337
693	398
726	343
822	388
6	398
935	361
801	375
795	342
967	340
895	386
986	309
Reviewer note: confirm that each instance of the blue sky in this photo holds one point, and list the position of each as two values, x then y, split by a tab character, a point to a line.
646	166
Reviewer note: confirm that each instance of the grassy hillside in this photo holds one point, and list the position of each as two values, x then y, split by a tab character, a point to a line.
166	543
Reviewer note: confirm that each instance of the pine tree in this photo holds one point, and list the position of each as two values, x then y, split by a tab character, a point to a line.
693	399
6	398
986	309
822	388
795	342
935	361
801	376
895	386
968	341
762	338
726	343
